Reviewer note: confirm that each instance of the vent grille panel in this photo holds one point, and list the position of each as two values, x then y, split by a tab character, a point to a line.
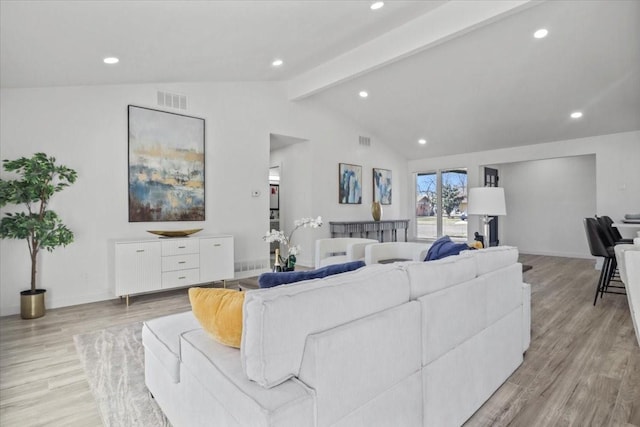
364	141
172	100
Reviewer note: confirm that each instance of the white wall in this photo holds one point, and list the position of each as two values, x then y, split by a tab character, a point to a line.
553	194
617	175
309	184
85	128
296	189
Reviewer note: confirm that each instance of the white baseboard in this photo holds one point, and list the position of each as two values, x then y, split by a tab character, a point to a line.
67	301
64	301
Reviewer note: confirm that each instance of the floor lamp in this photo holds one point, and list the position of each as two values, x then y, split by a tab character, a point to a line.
488	202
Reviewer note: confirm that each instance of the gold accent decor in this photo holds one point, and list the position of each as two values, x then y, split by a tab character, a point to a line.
32	304
376	211
174	233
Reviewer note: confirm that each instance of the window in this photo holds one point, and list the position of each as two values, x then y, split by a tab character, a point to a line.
426	205
441	204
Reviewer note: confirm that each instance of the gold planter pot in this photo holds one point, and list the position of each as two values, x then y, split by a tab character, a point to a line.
32	304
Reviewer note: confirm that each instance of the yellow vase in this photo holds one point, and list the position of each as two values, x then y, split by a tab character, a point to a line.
376	211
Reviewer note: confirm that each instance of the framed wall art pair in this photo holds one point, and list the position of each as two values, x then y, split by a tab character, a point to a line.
350	184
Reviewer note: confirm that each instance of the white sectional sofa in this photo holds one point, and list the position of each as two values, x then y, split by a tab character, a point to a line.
628	257
404	344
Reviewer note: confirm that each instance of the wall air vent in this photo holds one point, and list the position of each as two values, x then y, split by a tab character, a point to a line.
365	141
172	100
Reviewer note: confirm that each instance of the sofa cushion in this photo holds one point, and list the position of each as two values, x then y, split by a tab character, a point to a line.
452	316
219	311
269	280
161	336
504	291
428	277
493	258
277	321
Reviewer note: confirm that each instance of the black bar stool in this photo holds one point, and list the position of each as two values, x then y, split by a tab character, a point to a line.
612	232
600	246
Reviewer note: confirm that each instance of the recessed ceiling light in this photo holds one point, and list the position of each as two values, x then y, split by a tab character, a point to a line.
277	62
363	94
376	5
576	114
541	33
422	141
111	60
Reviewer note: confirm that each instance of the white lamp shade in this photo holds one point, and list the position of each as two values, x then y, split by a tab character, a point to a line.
486	201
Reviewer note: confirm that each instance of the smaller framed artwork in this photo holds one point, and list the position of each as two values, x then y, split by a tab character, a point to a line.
274	197
382	186
350	184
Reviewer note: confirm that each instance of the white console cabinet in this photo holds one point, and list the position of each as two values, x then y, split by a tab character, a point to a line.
159	264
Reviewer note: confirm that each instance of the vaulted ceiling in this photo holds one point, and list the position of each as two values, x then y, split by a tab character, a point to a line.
463	75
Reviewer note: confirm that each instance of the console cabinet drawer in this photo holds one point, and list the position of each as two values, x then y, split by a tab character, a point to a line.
175	279
180	262
180	246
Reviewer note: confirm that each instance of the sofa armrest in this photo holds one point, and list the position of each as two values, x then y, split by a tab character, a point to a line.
355	252
336	250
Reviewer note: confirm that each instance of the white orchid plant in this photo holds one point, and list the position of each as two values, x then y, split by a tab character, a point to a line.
279	236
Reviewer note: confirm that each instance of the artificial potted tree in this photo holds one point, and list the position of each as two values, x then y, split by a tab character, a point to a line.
39	179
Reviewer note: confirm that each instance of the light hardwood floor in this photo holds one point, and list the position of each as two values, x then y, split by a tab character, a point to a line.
582	369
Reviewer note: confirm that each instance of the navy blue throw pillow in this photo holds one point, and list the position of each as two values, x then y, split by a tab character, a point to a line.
269	280
444	247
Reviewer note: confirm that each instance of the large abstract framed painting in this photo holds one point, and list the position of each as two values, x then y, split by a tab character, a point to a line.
166	166
350	181
382	186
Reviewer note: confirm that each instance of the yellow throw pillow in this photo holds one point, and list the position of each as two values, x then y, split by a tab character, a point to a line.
219	311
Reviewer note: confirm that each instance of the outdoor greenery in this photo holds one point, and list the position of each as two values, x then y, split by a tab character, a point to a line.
39	179
451	198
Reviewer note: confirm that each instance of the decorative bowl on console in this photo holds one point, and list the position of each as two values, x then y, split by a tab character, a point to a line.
175	233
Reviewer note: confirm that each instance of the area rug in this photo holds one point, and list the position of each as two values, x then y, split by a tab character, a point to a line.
113	360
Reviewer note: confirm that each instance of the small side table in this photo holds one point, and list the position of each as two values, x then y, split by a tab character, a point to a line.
248	284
